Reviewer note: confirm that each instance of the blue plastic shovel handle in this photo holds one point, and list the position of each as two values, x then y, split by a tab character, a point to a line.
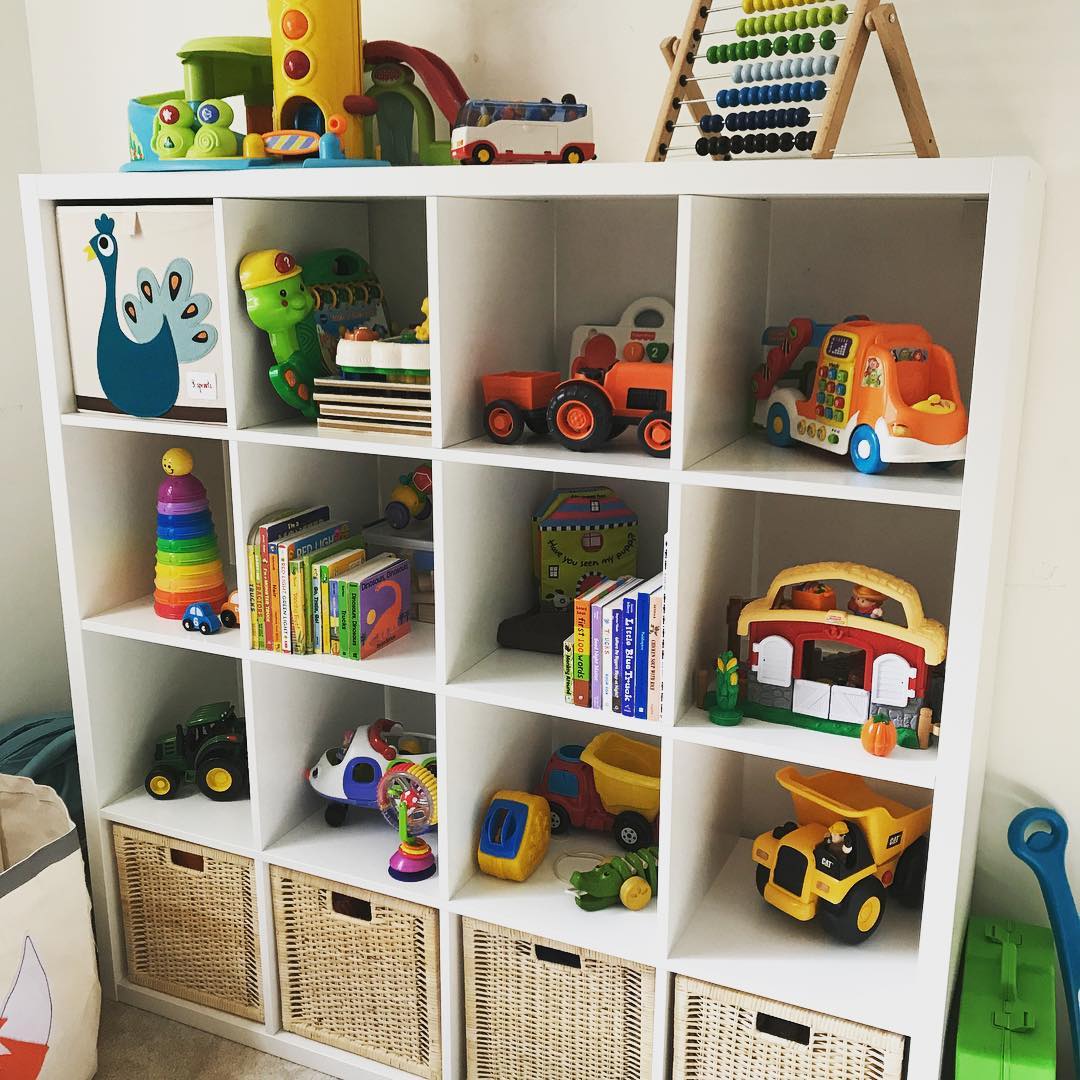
1043	849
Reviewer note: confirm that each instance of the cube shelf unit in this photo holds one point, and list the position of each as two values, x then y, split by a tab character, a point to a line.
512	259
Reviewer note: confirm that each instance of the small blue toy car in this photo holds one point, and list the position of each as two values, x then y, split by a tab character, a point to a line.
201	617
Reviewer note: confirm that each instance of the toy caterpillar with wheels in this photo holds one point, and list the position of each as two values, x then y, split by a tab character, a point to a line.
630	879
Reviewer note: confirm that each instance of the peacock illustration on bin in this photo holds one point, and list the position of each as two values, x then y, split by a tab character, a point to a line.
163	327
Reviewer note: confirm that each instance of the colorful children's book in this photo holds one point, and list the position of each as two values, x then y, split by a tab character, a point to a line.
601	688
255	590
279	524
309	592
568	669
583	639
329	564
383	607
641	645
347	612
656	655
615	698
292	548
628	645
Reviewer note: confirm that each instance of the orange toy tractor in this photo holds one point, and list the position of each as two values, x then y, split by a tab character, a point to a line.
602	398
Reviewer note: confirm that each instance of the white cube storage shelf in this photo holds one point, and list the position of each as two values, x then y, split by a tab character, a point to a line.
512	259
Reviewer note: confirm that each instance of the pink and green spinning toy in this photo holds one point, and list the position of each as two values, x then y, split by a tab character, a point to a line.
189	566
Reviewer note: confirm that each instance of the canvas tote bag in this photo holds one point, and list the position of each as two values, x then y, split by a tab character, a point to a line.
50	997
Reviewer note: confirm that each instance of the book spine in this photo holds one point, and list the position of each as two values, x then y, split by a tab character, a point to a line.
568	669
284	602
264	590
656	622
603	701
596	654
253	597
641	656
324	609
582	630
615	697
297	607
273	635
354	620
335	617
316	611
629	641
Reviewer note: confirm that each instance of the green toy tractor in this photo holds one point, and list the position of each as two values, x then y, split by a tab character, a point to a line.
209	749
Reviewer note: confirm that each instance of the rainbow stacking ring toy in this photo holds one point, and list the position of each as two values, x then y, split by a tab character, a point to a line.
189	566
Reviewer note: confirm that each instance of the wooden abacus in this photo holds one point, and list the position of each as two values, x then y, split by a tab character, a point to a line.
781	57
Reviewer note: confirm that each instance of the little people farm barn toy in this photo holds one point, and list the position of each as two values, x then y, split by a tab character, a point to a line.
830	669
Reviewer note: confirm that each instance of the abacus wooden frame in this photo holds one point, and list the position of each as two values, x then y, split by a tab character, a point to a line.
869	16
292	704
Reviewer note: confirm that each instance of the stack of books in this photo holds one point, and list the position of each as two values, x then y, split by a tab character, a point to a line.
613	659
313	590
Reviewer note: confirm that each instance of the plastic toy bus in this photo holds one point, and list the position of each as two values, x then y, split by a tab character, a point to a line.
504	132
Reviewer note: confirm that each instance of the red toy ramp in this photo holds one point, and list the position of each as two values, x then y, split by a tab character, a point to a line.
441	82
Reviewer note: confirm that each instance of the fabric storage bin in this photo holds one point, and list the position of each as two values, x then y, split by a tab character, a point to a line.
359	971
190	921
538	1008
722	1033
158	352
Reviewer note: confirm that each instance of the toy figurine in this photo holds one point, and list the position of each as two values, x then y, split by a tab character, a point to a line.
208	749
280	304
866	602
630	879
724	709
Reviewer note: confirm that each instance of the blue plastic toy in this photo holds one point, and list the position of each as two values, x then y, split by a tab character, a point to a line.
1038	837
201	617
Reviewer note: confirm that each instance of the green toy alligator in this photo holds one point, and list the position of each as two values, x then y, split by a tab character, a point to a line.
630	879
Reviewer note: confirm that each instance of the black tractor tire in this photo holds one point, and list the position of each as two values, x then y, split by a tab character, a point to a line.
168	776
212	769
580	415
536	419
504	422
632	831
841	921
910	880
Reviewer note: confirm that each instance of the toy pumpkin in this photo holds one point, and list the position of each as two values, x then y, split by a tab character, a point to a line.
878	736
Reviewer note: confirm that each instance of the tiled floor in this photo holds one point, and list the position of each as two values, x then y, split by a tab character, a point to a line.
137	1045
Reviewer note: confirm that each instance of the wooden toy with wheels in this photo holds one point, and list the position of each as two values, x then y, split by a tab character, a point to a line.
630	880
849	849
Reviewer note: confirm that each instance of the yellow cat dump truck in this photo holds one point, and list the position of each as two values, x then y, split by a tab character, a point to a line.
849	849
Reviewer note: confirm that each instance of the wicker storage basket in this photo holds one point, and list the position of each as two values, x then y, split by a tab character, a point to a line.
725	1035
539	1009
190	921
359	971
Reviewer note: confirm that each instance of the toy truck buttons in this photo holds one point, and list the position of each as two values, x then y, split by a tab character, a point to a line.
849	849
613	785
881	392
489	132
208	749
349	774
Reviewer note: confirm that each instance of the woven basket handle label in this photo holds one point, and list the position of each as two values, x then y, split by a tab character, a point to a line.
779	1028
557	956
351	907
189	860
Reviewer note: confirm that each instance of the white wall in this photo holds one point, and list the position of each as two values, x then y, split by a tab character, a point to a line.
33	666
983	99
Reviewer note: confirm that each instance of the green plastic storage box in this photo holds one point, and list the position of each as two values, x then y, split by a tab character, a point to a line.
1007	1028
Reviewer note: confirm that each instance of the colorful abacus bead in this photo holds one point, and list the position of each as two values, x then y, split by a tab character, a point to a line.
791	68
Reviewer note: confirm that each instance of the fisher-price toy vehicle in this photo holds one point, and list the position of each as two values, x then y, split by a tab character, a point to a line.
612	785
349	774
410	498
850	849
881	392
201	617
490	132
208	749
